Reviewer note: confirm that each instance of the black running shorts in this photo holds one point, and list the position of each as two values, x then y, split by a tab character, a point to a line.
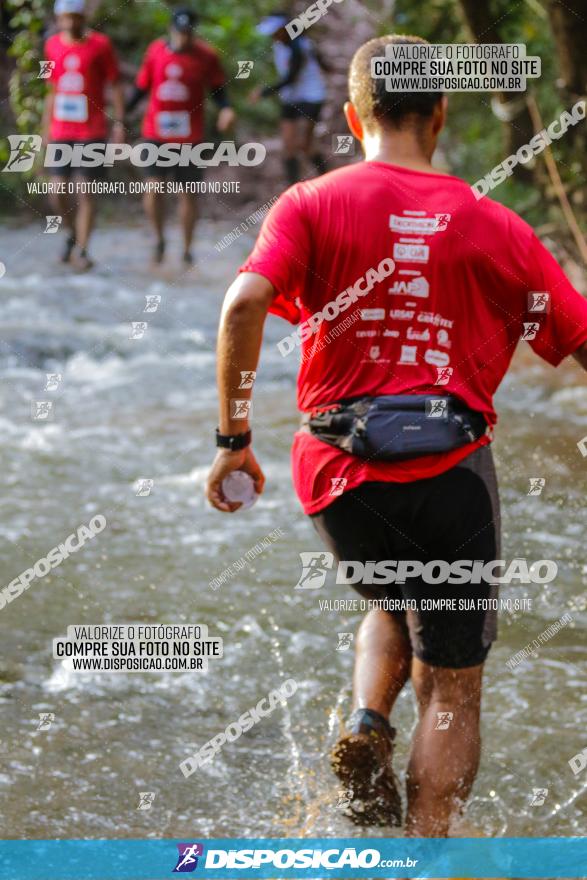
96	172
180	173
454	516
302	110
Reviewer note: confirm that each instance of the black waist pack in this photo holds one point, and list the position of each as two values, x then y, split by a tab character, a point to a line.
395	427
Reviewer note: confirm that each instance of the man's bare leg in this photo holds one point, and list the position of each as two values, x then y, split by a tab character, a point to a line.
362	757
154	206
308	146
63	206
84	223
443	763
289	138
188	214
382	662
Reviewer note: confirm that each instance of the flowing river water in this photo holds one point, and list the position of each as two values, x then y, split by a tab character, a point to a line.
144	408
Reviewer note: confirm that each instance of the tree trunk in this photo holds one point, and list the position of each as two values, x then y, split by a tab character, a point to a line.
510	107
568	21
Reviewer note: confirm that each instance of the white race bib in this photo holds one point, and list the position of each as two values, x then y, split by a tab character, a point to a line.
176	122
70	108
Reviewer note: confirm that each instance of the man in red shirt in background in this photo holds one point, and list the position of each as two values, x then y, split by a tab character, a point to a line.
176	73
84	64
403	284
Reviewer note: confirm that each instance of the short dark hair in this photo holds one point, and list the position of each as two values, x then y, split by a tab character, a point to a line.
375	105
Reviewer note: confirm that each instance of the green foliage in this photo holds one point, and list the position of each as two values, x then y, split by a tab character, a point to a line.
26	89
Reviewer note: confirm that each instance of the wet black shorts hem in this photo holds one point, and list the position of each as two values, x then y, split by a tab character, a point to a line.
180	173
453	516
302	110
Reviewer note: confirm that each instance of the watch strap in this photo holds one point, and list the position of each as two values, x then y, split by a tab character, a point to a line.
234	442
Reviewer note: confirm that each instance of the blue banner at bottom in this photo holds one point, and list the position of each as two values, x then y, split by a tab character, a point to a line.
225	859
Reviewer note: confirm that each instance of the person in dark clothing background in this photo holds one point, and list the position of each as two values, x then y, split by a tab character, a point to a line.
301	91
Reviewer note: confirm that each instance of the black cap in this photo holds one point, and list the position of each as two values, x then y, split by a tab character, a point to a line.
184	19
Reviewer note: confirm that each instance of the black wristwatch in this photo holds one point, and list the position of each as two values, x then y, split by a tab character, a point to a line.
234	442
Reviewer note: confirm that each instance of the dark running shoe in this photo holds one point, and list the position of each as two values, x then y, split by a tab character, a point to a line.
68	248
362	761
159	252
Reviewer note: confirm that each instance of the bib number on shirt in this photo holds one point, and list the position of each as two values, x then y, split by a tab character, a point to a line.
71	108
173	123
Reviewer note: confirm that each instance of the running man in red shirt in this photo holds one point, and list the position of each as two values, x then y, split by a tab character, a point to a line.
411	297
83	65
176	73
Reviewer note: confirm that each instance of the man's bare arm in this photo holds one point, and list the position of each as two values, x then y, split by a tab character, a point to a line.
240	334
47	115
581	355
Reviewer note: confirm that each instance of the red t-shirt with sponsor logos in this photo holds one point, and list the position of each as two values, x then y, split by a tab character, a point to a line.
470	280
81	71
177	84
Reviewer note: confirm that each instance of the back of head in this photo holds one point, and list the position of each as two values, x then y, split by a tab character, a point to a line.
376	106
